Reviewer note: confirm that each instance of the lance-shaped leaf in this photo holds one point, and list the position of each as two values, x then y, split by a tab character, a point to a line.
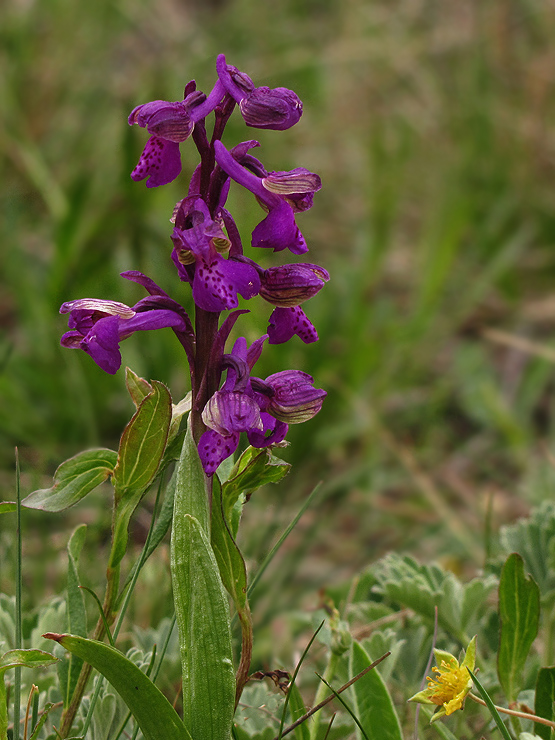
373	705
7	507
228	556
519	613
545	701
152	711
18	659
140	452
73	480
137	387
143	442
201	608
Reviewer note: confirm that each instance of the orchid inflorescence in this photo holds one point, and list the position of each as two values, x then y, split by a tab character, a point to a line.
208	254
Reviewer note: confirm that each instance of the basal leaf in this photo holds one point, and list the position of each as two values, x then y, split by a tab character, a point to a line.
23	658
201	607
202	613
152	711
372	703
519	613
73	480
143	442
545	701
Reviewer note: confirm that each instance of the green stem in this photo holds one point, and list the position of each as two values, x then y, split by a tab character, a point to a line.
242	675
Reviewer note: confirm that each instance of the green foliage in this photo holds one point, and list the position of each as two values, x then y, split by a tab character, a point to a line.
544	704
425	587
373	704
154	714
201	607
73	480
519	611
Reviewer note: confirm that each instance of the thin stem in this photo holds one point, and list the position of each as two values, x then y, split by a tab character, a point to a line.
329	698
18	612
242	675
514	712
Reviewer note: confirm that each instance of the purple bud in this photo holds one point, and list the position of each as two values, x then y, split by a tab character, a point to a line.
291	285
294	398
169	121
272	108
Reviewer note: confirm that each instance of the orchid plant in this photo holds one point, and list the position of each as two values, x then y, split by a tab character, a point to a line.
208	488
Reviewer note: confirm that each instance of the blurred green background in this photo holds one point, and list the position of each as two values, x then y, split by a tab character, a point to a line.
431	125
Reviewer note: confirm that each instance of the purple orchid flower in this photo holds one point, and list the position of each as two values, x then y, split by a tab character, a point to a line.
98	326
282	194
261	107
199	243
169	124
261	408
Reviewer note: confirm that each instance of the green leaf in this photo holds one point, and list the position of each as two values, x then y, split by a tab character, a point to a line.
140	452
76	612
232	567
298	709
73	480
255	468
7	507
519	613
204	632
137	387
423	587
373	705
143	442
18	659
544	702
201	608
152	711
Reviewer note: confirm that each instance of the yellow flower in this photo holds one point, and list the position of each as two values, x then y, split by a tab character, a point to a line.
449	688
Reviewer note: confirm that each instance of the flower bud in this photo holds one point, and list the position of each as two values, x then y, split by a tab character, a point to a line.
272	108
291	285
169	121
294	398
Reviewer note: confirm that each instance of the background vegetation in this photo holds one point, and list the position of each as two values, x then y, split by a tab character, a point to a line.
431	126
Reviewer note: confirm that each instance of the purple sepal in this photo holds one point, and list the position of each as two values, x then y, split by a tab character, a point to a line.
286	322
271	108
290	285
294	398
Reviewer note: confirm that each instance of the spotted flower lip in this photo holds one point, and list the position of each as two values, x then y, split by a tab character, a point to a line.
98	326
261	107
216	281
278	230
286	323
453	683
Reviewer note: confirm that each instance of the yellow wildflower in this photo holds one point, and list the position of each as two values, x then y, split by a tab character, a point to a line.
449	688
